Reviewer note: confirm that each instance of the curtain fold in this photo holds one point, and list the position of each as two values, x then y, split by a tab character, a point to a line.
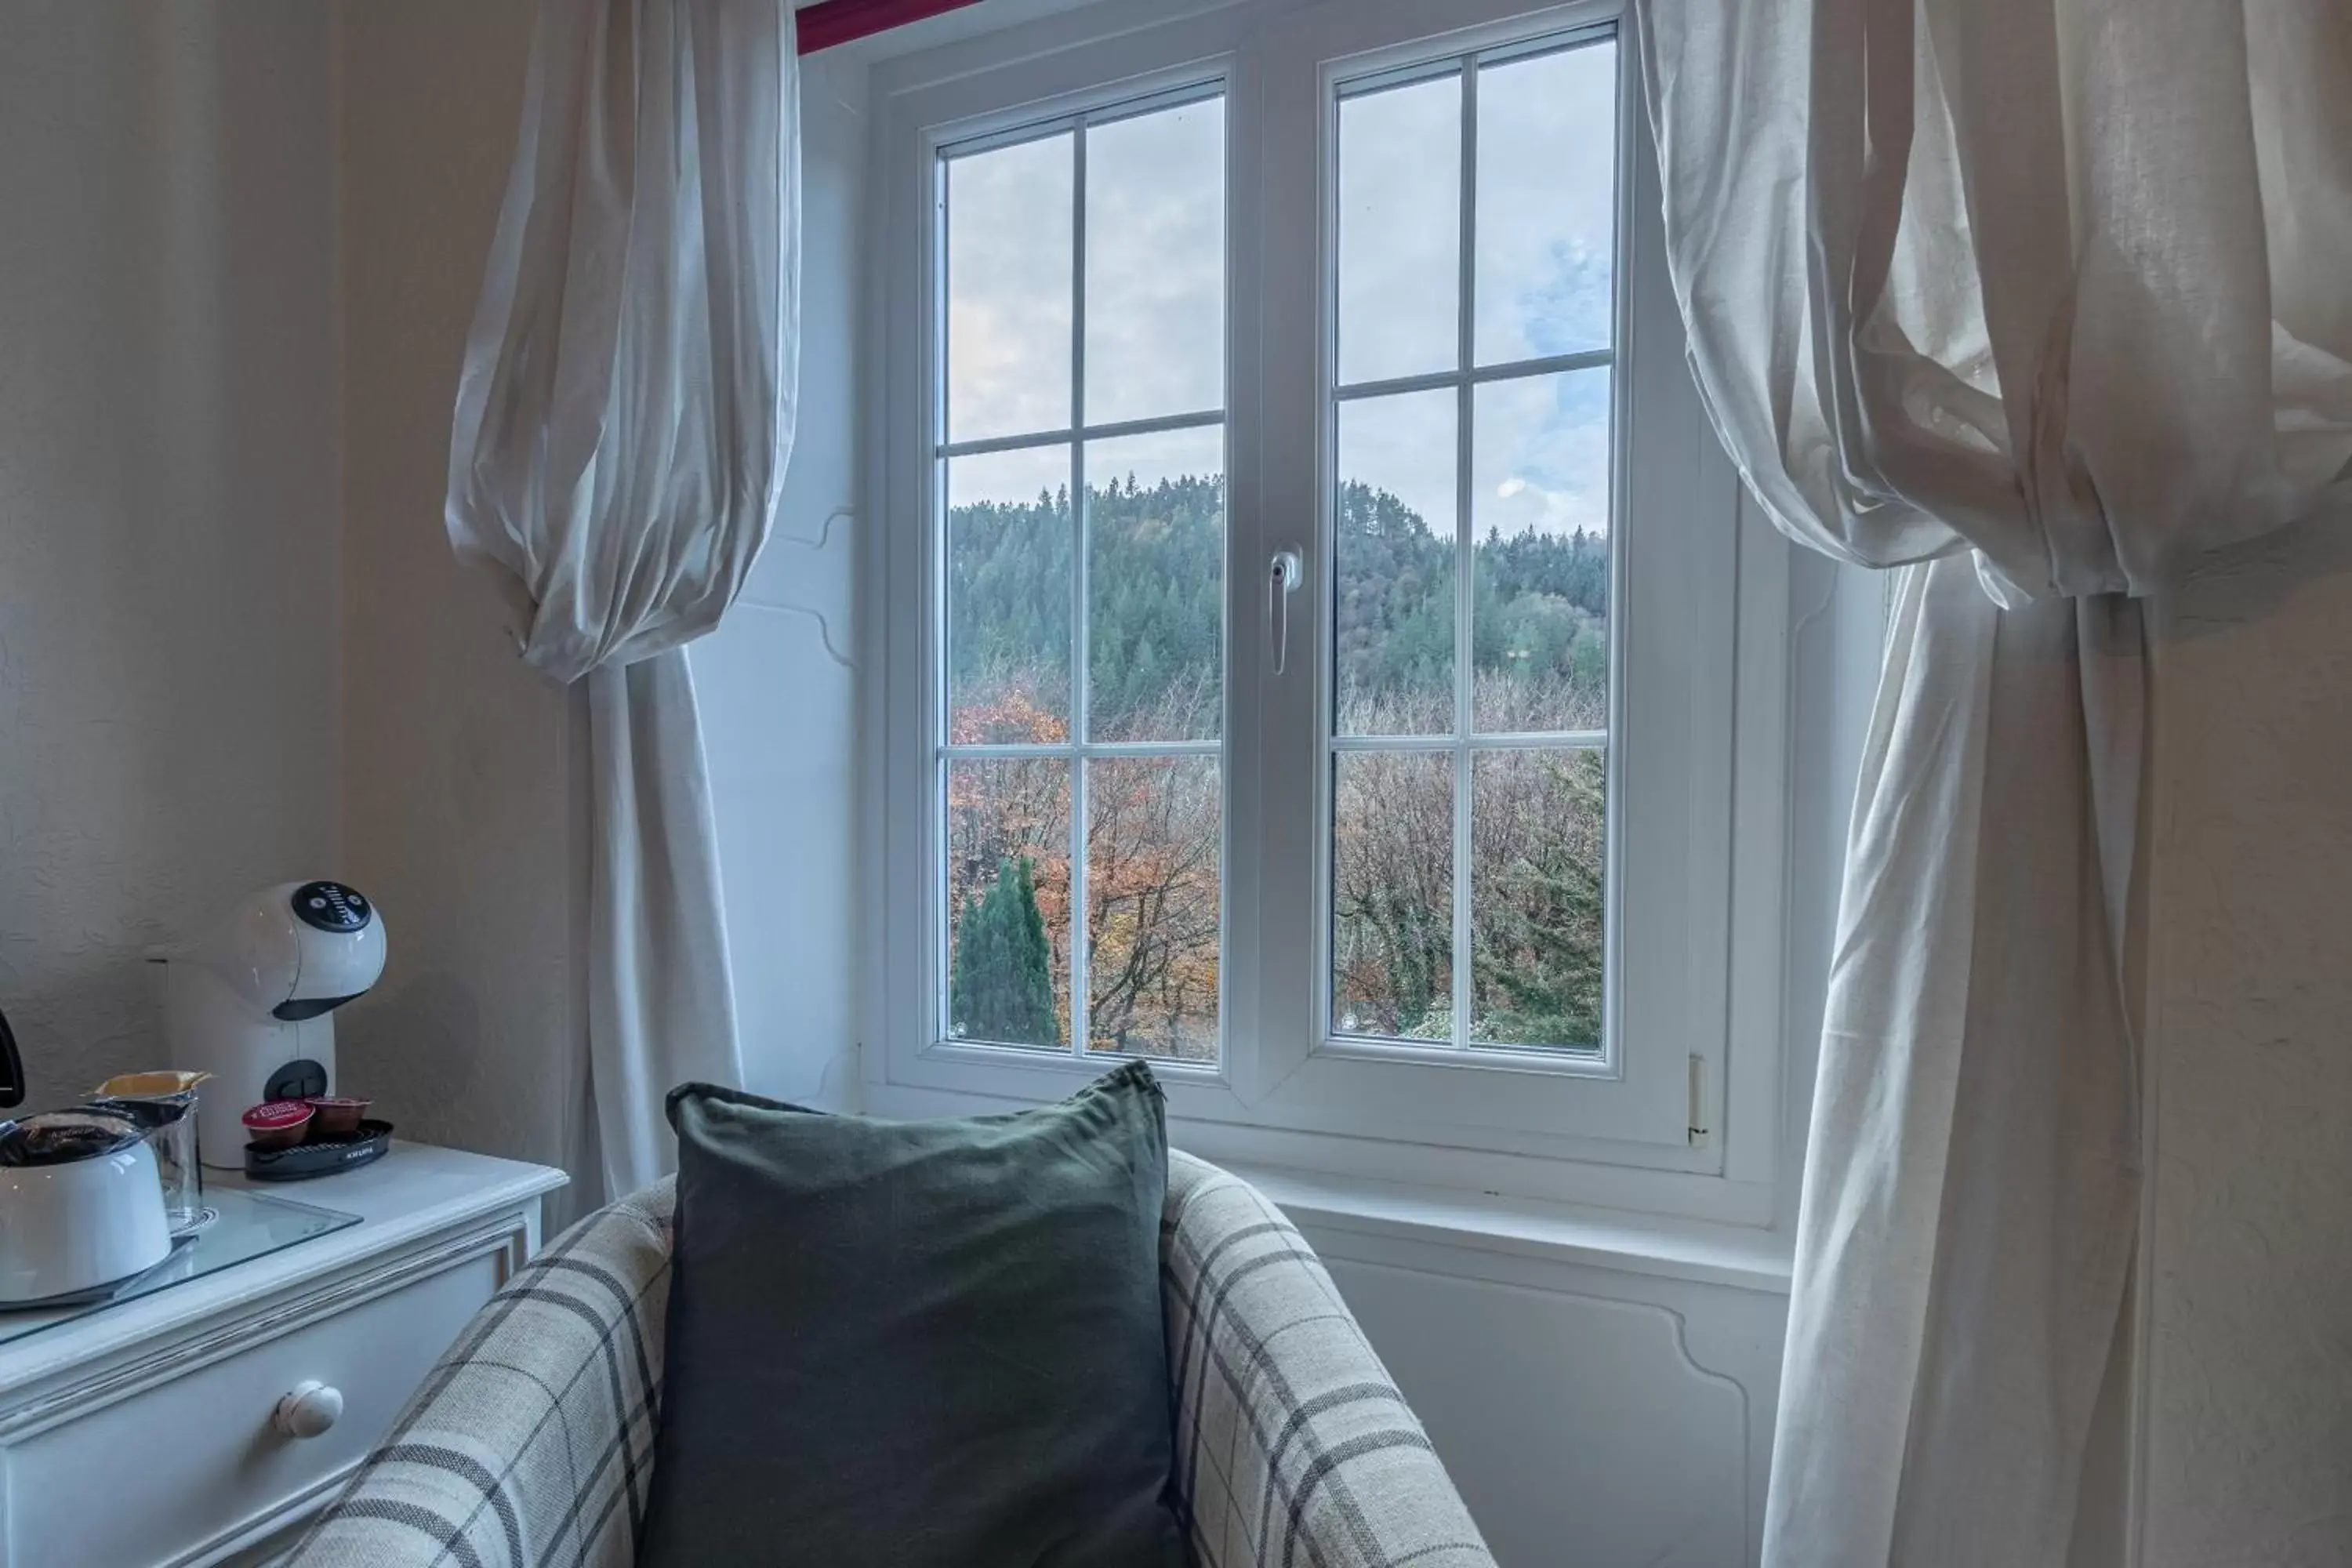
2058	281
661	1012
2044	301
1972	1179
624	418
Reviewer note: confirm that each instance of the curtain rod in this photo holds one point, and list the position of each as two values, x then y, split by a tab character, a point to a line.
831	22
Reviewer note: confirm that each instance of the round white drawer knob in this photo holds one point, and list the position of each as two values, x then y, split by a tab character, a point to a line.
310	1409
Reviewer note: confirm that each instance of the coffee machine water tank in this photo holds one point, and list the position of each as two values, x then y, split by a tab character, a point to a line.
253	1002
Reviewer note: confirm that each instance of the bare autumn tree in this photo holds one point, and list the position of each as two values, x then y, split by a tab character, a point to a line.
1393	894
1152	850
1153	845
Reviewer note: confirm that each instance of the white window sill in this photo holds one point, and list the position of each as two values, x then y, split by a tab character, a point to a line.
1738	1257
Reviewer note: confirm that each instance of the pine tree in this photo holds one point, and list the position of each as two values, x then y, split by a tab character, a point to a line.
1002	984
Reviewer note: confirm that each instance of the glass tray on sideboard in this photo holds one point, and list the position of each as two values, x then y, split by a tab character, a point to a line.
243	1226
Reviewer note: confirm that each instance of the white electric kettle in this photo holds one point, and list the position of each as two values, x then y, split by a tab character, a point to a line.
82	1204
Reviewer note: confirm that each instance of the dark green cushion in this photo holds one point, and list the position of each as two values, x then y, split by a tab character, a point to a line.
915	1344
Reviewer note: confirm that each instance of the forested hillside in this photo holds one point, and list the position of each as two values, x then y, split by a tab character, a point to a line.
1539	618
1538	650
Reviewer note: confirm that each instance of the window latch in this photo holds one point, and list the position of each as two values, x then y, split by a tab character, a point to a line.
1284	570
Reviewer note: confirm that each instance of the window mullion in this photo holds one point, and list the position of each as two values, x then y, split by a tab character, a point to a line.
982	446
1078	672
1465	546
1509	370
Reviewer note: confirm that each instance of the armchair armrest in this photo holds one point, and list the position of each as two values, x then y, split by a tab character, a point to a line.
533	1440
1293	1446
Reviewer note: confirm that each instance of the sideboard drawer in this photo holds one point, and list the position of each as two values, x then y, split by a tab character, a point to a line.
179	1471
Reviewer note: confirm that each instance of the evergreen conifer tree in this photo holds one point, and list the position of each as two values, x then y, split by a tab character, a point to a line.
1002	984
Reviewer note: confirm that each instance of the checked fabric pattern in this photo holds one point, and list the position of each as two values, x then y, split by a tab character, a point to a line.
531	1443
1293	1447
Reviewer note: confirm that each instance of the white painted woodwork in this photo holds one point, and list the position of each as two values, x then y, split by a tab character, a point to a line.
160	1432
1589	1416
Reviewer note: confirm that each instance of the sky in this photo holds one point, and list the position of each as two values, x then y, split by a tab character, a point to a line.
1154	285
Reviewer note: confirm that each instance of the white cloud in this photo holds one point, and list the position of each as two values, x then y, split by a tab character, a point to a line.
1545	240
1156	265
1400	231
1403	443
1009	293
1547	203
1540	454
1018	476
1163	454
1155	290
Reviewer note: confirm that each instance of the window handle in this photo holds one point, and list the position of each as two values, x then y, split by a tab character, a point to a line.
1284	570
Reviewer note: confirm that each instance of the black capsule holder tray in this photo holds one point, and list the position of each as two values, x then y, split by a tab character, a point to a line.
320	1156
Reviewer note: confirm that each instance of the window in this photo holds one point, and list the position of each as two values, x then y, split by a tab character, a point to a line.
1475	310
1324	653
1083	497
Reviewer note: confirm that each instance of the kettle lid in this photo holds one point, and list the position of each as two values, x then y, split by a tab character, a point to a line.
62	1137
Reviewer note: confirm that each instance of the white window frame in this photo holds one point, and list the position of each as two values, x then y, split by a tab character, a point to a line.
1680	1113
1184	87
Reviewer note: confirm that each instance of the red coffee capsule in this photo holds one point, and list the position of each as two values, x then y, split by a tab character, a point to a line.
278	1123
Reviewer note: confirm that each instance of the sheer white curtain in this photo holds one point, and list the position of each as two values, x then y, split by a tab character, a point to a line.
622	429
2050	298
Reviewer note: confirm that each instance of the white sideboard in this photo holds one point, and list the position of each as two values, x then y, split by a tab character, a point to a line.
151	1434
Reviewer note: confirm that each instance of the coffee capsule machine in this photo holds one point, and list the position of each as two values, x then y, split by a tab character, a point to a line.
253	1002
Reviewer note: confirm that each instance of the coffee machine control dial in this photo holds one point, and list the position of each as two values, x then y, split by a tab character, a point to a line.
330	906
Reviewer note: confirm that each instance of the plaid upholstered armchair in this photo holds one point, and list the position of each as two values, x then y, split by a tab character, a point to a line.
532	1442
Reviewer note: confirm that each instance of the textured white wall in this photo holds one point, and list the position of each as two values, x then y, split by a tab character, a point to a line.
778	682
169	533
469	805
2249	1419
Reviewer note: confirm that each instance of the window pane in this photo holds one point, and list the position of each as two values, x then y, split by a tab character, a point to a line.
1547	213
1156	585
1395	569
1009	900
1400	231
1153	851
1537	888
1156	264
1539	513
1009	596
1393	894
1009	290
